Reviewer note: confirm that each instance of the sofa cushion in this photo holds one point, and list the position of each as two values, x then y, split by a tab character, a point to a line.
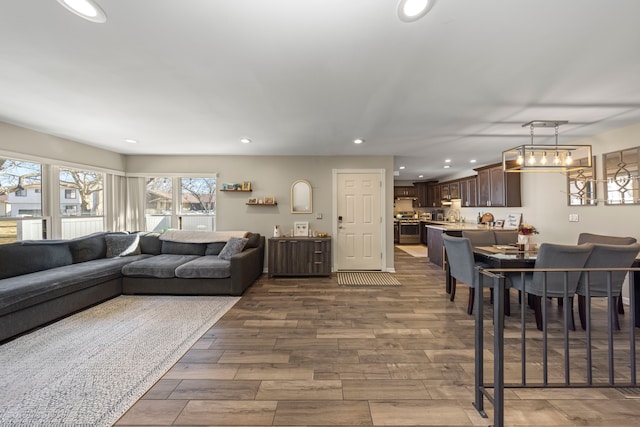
150	243
26	290
205	267
28	257
178	248
235	245
214	248
160	266
253	240
122	245
88	248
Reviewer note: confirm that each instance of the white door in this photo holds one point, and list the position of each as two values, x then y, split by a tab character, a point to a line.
359	228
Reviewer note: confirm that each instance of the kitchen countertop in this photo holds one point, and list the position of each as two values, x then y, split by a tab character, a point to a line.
457	226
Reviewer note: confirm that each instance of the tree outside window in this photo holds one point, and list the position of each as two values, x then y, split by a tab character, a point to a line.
198	196
89	187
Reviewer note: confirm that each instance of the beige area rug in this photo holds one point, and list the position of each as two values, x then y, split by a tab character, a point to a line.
418	251
366	278
89	368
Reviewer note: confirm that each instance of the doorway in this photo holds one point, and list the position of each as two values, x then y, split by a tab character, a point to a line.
359	227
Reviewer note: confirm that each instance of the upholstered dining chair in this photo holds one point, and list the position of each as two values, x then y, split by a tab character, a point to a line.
605	256
506	237
462	267
607	240
480	237
552	256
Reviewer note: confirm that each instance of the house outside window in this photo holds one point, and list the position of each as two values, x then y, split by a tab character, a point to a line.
20	200
85	216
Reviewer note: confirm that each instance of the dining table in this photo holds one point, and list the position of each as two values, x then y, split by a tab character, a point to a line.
508	256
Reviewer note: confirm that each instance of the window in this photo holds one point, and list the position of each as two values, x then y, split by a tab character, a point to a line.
192	208
86	215
20	208
158	204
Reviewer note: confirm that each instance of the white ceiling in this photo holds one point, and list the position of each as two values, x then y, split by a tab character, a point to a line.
306	77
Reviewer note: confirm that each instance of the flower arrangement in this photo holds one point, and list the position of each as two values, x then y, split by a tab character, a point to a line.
527	229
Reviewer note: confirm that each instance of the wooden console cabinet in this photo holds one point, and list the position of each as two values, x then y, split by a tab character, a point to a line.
299	256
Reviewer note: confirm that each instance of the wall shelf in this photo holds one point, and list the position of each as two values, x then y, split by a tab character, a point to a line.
237	191
261	204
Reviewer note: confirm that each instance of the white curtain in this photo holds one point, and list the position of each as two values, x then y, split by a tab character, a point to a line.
135	197
115	192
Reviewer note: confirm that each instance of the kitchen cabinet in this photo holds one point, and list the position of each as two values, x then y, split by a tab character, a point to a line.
404	191
422	194
299	256
423	232
434	195
444	192
435	245
468	193
497	188
454	190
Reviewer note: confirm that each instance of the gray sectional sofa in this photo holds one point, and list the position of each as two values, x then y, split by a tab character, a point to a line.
41	281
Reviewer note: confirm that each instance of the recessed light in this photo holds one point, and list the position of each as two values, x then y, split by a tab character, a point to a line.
447	166
447	160
472	161
420	176
245	140
412	10
358	141
131	141
402	167
87	9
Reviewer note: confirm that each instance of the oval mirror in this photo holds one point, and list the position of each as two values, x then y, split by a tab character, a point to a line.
301	197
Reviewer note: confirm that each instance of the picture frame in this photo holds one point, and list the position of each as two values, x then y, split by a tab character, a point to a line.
269	200
512	220
246	186
499	223
252	201
301	229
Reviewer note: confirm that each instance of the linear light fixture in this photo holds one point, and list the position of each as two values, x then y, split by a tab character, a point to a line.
546	158
87	9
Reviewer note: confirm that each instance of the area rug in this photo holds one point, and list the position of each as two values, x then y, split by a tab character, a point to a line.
366	278
417	251
88	369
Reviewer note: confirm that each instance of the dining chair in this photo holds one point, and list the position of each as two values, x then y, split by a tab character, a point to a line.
552	256
506	237
607	240
462	267
605	256
480	237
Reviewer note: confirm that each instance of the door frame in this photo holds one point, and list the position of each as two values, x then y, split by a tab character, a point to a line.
383	213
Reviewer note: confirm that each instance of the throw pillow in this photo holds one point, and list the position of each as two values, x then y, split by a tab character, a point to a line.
235	245
122	245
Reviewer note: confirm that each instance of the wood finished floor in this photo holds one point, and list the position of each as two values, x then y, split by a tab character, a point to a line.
299	352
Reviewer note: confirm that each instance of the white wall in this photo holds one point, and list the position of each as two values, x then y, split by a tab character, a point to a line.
544	199
17	140
272	175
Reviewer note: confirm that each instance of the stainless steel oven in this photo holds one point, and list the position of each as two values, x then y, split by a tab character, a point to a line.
409	232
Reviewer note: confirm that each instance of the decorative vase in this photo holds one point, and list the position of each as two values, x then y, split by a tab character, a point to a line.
523	241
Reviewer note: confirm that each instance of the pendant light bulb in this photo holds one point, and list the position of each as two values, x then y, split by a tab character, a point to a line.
532	159
543	159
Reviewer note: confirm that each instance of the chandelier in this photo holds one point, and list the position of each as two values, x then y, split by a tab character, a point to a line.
546	158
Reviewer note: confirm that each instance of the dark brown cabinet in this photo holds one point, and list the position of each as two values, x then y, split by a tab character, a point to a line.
468	193
299	256
497	188
422	194
404	191
435	196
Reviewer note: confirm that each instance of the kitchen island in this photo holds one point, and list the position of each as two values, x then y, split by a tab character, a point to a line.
435	230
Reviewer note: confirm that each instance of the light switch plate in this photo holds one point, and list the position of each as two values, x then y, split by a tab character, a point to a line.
318	216
573	218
